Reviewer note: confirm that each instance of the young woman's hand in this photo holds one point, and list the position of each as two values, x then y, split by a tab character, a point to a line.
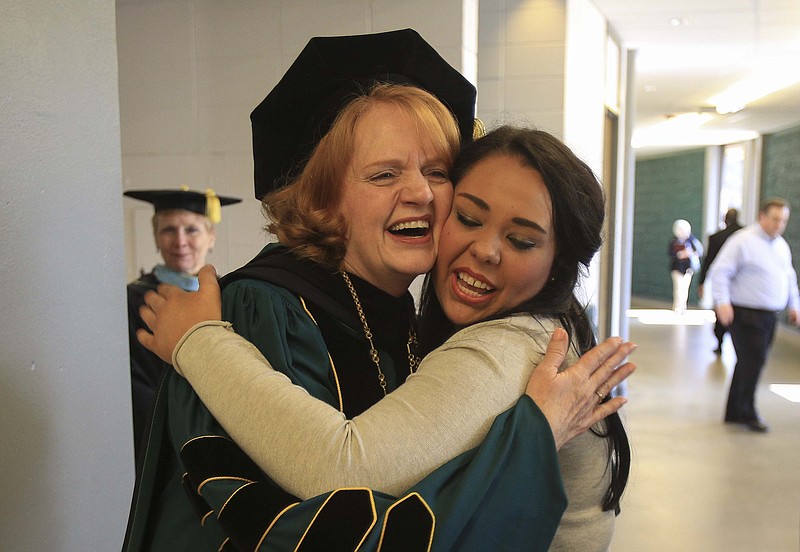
574	400
171	312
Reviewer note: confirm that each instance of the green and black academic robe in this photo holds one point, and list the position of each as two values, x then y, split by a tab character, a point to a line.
199	491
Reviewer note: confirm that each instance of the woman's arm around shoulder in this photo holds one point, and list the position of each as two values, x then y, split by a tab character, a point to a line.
441	411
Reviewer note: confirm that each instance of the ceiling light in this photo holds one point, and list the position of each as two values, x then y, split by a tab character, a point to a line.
685	130
686	121
771	76
724	107
684	134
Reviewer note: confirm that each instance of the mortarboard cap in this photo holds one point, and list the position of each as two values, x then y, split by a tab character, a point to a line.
206	203
329	71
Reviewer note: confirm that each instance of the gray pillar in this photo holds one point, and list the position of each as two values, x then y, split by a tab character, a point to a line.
66	448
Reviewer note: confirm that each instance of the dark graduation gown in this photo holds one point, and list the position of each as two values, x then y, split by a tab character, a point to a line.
199	491
146	367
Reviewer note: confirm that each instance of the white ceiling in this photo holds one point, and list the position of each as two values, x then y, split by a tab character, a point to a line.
718	43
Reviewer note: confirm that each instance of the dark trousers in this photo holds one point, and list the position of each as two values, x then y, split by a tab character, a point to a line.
752	331
719	332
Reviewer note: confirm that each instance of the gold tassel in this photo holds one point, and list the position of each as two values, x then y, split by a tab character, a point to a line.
478	129
213	208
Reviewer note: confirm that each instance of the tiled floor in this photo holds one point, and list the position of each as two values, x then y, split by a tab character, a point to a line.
698	484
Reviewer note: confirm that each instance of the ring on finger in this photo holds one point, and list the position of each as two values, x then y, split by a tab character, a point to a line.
599	394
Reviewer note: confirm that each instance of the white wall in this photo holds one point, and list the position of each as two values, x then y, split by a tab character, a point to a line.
521	63
66	452
191	71
542	63
584	104
585	82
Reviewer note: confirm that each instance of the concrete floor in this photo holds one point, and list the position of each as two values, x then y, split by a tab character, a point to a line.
698	484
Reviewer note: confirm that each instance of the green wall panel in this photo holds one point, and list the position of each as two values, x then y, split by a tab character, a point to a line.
780	176
667	187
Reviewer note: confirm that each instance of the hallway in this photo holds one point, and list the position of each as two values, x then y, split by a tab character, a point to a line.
698	484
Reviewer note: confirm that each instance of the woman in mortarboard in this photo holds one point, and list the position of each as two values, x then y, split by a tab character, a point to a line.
184	229
329	307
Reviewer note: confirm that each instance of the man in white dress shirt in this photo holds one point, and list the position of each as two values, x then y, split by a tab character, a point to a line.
753	280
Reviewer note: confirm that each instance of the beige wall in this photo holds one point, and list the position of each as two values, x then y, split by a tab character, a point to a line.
521	63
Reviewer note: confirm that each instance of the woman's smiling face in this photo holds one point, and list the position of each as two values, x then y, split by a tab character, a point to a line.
184	239
396	196
498	244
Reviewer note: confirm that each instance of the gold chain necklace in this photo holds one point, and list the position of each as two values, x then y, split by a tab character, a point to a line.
413	360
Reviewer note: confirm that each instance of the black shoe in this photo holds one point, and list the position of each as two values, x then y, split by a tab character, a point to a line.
752	424
757	425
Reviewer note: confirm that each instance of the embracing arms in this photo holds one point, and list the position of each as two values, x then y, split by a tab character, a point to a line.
443	410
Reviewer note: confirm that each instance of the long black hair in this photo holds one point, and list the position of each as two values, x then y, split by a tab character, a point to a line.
578	213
